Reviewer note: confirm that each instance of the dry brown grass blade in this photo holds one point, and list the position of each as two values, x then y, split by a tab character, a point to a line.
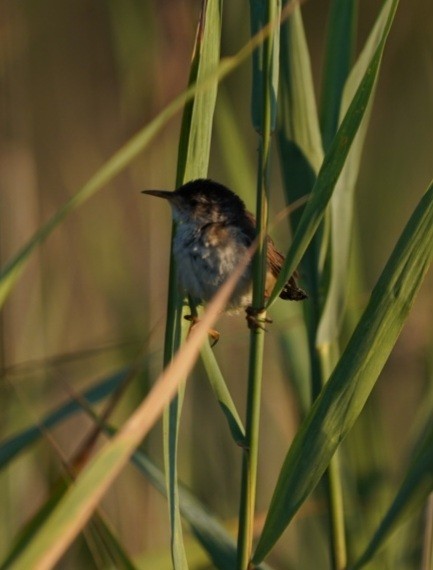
81	500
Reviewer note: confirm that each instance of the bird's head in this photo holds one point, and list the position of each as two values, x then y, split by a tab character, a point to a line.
202	201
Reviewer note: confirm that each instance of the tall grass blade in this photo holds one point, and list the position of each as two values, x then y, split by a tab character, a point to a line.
340	215
297	108
335	158
264	101
77	506
343	197
411	497
341	35
99	535
11	272
171	423
343	397
259	17
301	154
211	534
196	131
15	444
193	159
222	393
234	152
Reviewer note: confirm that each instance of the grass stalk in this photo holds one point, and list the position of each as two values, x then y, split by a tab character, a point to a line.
263	92
332	479
339	51
338	547
250	458
427	551
172	414
334	491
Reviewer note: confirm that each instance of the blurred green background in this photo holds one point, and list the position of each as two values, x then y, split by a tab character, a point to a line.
78	79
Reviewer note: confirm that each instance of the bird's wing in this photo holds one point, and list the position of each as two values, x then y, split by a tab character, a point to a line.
275	261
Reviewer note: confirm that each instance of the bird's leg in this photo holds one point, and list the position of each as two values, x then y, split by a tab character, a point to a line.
194	320
254	320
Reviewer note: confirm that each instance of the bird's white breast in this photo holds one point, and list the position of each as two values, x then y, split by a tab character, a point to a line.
205	259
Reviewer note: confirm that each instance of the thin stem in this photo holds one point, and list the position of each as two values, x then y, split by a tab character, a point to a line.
172	415
427	551
250	459
336	515
334	489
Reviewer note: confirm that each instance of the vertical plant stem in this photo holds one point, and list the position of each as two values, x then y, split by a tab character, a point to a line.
336	515
341	39
250	459
193	158
334	488
427	551
255	372
172	417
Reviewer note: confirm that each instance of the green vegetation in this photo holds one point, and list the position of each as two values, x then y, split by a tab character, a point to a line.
308	445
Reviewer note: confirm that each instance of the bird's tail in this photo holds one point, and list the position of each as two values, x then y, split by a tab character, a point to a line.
291	291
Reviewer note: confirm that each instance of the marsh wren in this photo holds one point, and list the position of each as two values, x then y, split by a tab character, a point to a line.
213	232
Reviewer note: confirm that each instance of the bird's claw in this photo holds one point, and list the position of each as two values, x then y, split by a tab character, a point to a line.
255	321
194	320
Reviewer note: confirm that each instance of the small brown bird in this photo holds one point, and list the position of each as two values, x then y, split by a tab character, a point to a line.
214	230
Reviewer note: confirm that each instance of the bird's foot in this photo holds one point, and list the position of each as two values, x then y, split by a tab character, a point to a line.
255	320
214	334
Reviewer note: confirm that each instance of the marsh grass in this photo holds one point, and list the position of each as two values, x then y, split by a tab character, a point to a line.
292	501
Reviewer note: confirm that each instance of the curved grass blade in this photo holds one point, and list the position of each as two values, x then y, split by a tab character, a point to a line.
171	423
297	105
335	159
299	140
31	527
75	509
338	58
411	497
15	444
99	535
343	196
11	272
193	159
13	269
222	393
343	397
208	530
341	36
211	534
195	138
301	154
236	160
259	17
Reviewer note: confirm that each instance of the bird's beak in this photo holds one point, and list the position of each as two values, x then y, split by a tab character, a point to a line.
167	195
